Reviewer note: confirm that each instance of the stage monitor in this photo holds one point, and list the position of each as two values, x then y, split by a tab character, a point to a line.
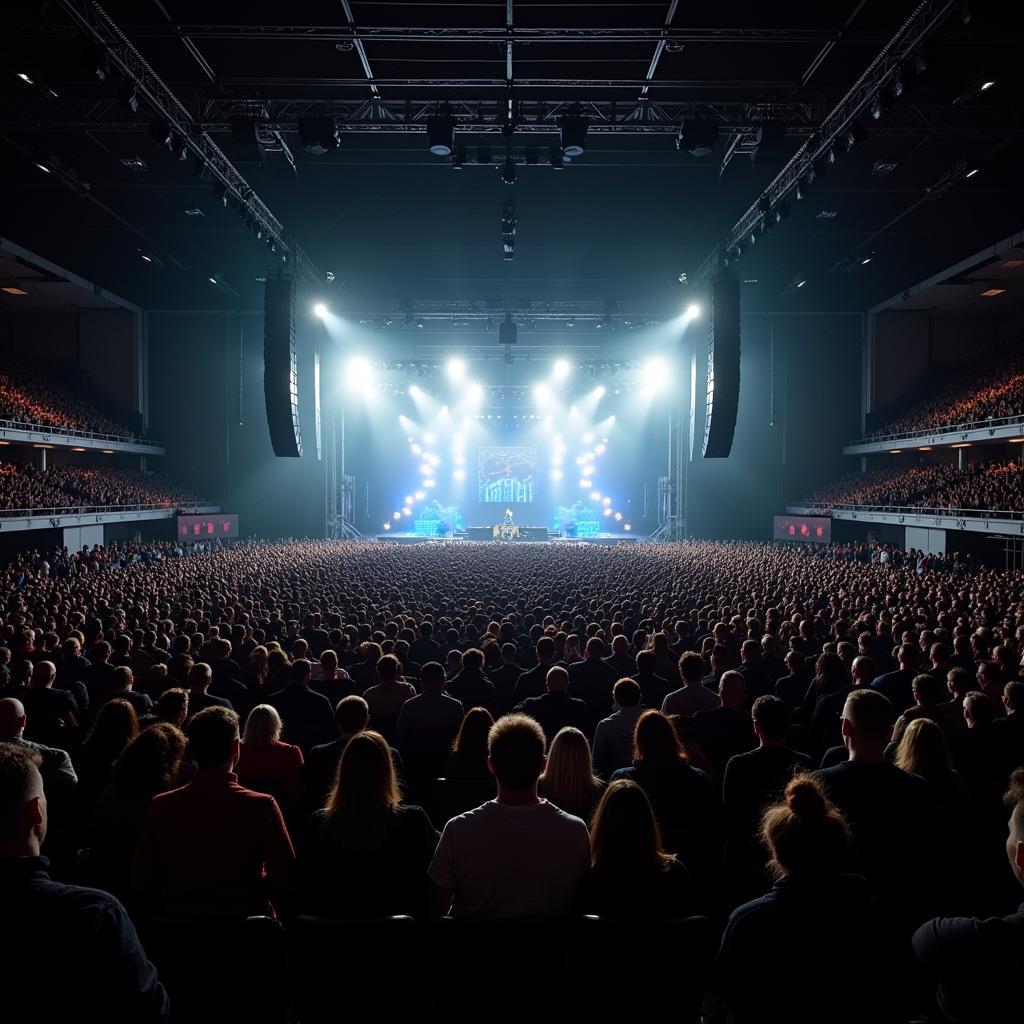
811	529
207	527
507	474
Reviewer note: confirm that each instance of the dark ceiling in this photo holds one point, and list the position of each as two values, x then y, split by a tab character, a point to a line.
622	222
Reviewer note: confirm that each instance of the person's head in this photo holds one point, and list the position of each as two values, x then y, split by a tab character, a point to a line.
867	723
432	676
908	656
200	676
262	727
750	650
646	663
473	659
923	750
771	720
655	741
979	710
43	675
471	738
454	660
122	679
568	779
298	673
351	714
625	841
1013	696
691	668
959	682
172	706
732	690
12	719
928	691
151	762
213	738
329	663
1015	840
557	680
594	651
508	654
113	728
515	752
804	833
22	802
364	794
626	693
863	670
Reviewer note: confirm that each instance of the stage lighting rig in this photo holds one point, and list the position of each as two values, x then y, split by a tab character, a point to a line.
573	135
441	134
509	223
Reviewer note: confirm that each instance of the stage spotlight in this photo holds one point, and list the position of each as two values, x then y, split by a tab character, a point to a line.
415	449
607	512
562	368
429	438
556	474
408	499
654	376
607	501
692	311
588	438
627	526
599	391
360	373
599	449
584	483
476	392
573	130
406	511
429	483
595	495
420	495
441	134
320	310
426	468
541	393
459	474
618	517
397	515
456	369
415	392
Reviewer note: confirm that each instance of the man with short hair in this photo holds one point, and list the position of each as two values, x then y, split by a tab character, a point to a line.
505	679
556	709
974	962
653	688
619	661
1009	730
427	724
121	688
888	810
591	680
470	687
52	714
959	683
213	848
98	675
517	855
693	696
752	668
725	730
35	912
533	683
898	686
425	648
305	713
613	738
200	675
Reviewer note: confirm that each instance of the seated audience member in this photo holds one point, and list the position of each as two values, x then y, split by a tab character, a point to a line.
149	765
52	713
825	729
682	796
200	676
980	758
568	780
898	686
505	678
753	781
453	663
556	709
367	836
1009	730
91	923
267	765
333	682
928	697
428	724
620	661
726	730
989	680
532	682
693	696
71	673
386	699
613	738
631	877
959	683
172	706
655	688
122	687
974	962
305	713
213	849
112	730
467	761
98	676
470	687
757	675
591	680
792	686
517	856
887	809
807	839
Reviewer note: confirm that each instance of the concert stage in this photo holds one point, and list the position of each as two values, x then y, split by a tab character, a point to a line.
604	539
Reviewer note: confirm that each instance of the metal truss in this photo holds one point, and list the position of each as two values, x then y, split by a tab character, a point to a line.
94	21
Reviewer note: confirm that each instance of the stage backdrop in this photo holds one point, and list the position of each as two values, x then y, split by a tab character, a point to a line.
506	474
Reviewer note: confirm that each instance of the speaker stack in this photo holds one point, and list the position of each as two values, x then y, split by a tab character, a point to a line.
723	391
280	367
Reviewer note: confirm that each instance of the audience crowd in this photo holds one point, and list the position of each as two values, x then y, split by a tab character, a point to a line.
982	486
991	389
778	772
70	487
31	395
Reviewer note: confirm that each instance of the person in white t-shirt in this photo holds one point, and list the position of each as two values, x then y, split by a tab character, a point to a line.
518	855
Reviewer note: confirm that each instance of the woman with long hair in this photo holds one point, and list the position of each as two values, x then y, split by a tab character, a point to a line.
769	938
631	876
468	759
267	765
568	780
365	853
113	728
682	796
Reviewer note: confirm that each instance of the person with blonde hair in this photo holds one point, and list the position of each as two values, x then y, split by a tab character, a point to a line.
631	876
569	781
365	853
795	923
267	765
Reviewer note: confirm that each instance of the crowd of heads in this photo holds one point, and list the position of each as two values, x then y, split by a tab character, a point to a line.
721	729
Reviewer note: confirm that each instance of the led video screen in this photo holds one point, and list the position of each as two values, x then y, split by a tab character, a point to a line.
507	475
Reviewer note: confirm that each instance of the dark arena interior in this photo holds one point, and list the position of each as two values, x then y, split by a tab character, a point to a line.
498	492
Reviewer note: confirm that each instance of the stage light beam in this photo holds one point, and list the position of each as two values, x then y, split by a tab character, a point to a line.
456	369
562	368
320	310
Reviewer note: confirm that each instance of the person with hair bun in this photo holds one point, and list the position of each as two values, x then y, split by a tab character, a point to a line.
786	955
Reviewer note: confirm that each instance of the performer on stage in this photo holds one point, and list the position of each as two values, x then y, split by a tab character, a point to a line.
508	517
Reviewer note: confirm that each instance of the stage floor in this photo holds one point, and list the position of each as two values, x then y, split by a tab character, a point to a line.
605	539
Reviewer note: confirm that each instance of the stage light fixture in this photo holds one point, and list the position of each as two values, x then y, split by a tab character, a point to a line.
508	171
458	158
618	517
573	134
627	526
429	438
320	310
360	373
562	368
607	511
397	515
972	172
692	311
476	392
556	158
606	501
801	282
876	108
420	495
409	500
459	474
697	136
441	134
600	449
985	86
541	393
584	482
456	369
406	511
595	495
556	474
599	391
429	483
415	449
415	392
387	526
